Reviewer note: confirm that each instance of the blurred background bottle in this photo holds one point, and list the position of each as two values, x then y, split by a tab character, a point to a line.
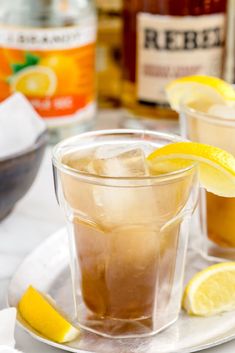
175	38
47	52
229	66
109	52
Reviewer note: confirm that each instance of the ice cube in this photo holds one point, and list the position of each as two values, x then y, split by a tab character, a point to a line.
77	192
127	164
121	202
80	161
20	125
222	111
107	203
111	150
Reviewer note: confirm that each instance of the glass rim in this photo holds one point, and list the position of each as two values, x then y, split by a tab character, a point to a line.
97	179
184	108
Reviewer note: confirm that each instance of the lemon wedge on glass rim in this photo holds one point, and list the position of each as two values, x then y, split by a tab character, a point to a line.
216	166
42	315
211	291
195	88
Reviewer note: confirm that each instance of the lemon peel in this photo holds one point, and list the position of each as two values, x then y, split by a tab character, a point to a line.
211	291
216	166
42	315
199	88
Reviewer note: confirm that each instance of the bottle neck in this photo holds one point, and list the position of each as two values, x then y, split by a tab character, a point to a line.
33	6
44	13
44	5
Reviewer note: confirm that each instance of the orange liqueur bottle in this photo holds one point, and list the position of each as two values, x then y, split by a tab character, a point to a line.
166	39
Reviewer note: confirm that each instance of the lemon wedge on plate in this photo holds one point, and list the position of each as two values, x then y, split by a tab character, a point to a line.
195	88
216	166
211	291
39	313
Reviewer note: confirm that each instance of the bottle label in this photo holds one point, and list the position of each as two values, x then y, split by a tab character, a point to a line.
169	47
53	68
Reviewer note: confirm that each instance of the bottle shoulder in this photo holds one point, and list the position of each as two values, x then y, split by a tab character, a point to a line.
176	8
47	13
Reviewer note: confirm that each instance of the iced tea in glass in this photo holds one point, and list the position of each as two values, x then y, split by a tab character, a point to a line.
128	230
213	124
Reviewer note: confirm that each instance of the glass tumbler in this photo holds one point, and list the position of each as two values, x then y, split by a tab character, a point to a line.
217	214
128	235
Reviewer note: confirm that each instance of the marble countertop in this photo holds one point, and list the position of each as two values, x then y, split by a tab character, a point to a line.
34	218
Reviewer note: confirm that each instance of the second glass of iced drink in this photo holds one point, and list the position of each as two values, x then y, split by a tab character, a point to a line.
213	124
128	230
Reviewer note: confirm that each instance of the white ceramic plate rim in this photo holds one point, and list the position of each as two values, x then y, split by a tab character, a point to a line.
226	338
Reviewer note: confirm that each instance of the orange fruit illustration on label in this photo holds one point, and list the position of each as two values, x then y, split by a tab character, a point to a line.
66	71
35	81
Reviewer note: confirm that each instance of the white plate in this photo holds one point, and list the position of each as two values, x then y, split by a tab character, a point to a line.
47	268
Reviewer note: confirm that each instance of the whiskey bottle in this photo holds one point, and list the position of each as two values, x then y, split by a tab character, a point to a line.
163	40
229	65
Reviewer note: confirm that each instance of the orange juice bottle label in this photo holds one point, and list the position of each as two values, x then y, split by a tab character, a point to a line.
53	68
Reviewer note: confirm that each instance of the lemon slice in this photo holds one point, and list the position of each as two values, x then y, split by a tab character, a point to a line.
44	318
35	81
195	88
211	291
216	166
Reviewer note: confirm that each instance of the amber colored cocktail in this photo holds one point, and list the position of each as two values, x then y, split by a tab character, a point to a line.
198	124
128	230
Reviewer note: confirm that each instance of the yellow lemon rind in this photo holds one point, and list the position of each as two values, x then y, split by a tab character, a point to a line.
189	298
216	166
43	316
191	88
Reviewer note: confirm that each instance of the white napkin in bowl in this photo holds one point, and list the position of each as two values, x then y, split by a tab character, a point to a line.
20	125
7	328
